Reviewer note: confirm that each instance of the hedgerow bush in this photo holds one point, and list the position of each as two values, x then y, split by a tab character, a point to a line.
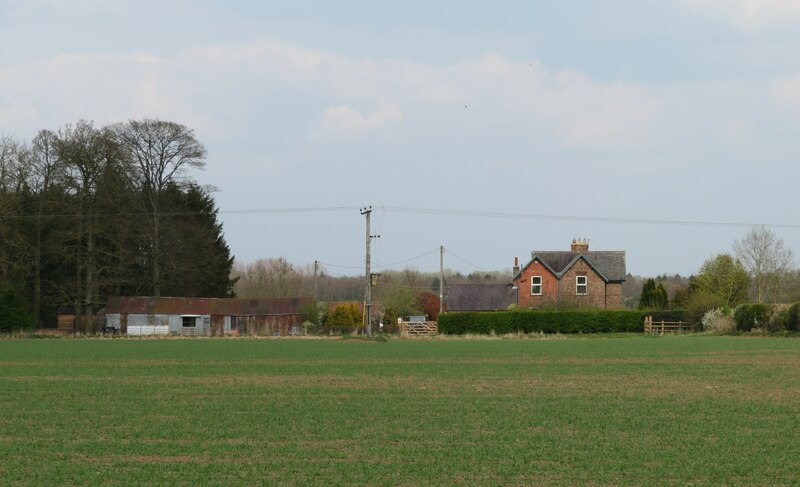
701	303
344	317
588	321
749	316
784	317
719	320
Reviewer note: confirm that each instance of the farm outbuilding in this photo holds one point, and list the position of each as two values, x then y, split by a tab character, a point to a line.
205	316
480	297
91	319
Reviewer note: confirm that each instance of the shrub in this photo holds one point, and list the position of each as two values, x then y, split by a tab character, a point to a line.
785	317
344	317
310	312
749	316
701	303
13	314
718	320
793	318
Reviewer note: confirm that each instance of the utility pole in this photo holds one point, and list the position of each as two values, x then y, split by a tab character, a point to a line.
367	211
441	279
316	269
316	302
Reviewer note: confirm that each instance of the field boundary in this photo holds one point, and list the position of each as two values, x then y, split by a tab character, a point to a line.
665	327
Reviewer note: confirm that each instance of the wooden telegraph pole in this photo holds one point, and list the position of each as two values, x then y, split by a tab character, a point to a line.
368	294
441	279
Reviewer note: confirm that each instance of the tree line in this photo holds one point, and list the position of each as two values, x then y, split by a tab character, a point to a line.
395	293
760	270
88	212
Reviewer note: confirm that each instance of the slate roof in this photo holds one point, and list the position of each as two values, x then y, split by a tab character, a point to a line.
480	297
609	264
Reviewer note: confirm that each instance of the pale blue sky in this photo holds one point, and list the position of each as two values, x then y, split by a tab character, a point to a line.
667	110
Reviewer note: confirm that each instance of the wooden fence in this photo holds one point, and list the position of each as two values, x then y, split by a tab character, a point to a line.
418	328
662	327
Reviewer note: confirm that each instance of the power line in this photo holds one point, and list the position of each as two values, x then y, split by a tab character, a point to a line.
384	266
466	261
381	266
396	286
186	213
532	216
322	209
427	211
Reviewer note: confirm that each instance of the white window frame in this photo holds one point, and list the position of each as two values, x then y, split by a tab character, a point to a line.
539	285
578	285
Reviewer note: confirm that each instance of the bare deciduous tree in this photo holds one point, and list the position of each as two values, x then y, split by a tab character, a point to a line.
765	257
274	277
84	151
160	152
46	170
12	170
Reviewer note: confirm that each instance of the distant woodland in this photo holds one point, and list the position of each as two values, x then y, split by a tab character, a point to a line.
89	212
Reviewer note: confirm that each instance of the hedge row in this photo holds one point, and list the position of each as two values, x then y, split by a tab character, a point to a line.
771	317
589	321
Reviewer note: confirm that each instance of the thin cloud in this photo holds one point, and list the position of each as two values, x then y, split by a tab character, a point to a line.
32	8
345	121
786	92
750	14
215	88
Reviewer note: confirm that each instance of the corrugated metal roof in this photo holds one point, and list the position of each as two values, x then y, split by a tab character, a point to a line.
260	306
206	306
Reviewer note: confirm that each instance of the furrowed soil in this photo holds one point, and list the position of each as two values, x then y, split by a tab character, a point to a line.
634	410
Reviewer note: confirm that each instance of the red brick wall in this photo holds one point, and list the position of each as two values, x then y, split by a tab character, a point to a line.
614	296
596	295
549	286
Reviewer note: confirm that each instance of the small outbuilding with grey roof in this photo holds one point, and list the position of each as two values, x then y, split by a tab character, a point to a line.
480	297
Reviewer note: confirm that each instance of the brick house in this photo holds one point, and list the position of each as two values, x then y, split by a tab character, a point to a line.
579	277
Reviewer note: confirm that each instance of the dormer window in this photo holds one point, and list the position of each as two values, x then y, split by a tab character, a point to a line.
581	285
536	285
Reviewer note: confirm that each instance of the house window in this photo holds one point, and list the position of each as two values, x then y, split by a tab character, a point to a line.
581	285
188	321
536	285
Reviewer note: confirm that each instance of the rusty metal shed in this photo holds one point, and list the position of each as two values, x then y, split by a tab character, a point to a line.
205	316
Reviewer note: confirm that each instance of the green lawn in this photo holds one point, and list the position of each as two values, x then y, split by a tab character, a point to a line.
600	410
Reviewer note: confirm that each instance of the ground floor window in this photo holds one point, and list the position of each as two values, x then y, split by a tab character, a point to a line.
189	321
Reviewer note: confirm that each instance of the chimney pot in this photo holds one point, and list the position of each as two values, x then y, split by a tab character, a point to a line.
580	245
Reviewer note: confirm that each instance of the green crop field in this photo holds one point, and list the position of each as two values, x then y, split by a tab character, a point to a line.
601	410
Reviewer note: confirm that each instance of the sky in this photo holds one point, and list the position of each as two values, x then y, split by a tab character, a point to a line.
662	128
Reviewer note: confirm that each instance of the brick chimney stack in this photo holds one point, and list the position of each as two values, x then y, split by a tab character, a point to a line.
516	265
580	245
